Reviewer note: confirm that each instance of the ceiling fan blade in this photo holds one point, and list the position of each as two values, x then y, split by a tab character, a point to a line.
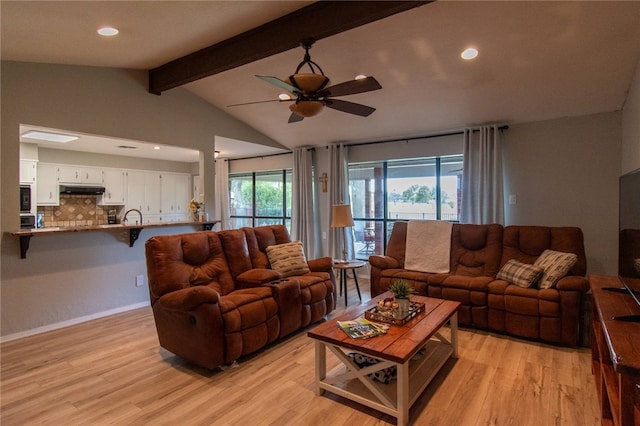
258	102
294	118
277	82
350	107
351	87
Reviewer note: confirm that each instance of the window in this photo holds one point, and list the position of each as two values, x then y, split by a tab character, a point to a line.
260	198
386	191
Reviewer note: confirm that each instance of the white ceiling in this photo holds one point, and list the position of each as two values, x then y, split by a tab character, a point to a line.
538	60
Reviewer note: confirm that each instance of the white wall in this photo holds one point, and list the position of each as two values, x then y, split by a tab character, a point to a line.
565	173
631	126
80	274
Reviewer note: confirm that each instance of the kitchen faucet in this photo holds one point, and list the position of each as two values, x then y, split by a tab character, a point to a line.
124	220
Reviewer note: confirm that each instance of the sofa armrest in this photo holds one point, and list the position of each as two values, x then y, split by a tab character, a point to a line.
187	299
322	264
384	262
573	283
257	277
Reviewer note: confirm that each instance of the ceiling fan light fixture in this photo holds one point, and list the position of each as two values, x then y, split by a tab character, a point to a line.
306	108
469	53
308	82
284	97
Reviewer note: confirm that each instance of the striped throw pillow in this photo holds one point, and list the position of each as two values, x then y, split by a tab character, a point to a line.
520	274
556	264
288	259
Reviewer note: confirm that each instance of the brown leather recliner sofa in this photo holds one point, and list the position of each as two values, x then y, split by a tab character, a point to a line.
215	298
477	254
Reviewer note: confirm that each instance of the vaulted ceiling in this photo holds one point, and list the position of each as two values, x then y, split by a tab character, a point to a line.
537	60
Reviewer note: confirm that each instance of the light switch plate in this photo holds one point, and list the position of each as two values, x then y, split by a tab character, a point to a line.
139	280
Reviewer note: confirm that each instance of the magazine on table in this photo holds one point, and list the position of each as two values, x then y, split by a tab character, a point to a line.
362	328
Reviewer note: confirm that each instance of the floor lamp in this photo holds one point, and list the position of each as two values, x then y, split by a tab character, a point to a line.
341	218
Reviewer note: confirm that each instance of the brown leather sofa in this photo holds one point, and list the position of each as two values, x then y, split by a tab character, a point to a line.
477	254
215	298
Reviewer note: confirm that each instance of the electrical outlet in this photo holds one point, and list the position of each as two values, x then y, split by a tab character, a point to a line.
139	280
324	235
513	199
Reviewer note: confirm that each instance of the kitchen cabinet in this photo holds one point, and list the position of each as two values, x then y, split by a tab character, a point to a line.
175	196
76	174
143	191
47	189
114	185
28	171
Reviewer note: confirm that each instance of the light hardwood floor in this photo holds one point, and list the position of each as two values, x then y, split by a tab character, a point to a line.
112	371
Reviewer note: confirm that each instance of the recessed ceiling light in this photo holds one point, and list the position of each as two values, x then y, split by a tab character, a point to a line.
284	97
360	77
156	147
47	136
468	54
107	31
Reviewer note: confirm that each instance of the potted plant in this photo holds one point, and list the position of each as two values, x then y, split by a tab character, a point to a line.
401	290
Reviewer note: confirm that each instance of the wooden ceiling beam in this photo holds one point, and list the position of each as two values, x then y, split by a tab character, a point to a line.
317	21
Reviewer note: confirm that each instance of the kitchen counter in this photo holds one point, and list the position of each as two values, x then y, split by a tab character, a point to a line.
133	231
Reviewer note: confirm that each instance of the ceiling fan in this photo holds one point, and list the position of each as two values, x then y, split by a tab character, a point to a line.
309	93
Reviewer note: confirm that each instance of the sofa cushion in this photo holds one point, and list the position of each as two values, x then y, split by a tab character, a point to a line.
556	264
520	274
288	259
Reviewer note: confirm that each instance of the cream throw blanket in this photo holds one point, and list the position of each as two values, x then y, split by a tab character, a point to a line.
428	246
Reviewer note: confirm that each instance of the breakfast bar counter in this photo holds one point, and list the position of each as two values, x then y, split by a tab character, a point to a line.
25	235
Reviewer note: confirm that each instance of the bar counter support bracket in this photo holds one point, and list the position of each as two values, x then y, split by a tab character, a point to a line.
134	233
24	245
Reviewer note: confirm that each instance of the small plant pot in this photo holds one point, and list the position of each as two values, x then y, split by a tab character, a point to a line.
403	305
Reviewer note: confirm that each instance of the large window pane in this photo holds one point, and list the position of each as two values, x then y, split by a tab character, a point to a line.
261	198
366	190
289	191
385	192
237	222
412	189
241	195
451	187
269	194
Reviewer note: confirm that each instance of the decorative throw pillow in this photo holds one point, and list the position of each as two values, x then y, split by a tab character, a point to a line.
520	274
288	259
556	264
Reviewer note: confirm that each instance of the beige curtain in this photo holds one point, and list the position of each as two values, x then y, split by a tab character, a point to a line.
339	194
305	225
482	188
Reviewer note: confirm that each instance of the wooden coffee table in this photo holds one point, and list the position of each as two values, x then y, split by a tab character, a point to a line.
398	347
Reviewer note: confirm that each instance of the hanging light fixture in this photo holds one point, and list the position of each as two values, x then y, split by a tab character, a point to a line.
308	83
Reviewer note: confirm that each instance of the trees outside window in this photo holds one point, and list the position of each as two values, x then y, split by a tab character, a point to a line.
260	198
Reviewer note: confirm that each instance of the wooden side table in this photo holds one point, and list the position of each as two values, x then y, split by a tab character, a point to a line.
343	267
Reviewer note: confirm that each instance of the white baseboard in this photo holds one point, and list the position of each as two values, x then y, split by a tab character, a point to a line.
70	322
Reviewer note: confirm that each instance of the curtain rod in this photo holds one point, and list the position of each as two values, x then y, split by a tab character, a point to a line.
458	132
267	155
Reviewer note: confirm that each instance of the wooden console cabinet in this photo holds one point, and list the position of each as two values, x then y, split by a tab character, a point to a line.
615	349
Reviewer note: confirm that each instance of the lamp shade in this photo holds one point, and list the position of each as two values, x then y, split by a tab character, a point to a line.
341	216
307	108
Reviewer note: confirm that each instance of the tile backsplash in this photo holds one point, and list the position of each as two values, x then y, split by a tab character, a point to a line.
76	210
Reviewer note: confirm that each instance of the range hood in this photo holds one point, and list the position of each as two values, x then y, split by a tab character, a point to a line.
82	189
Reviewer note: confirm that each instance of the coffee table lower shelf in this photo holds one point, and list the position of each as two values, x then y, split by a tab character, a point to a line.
396	398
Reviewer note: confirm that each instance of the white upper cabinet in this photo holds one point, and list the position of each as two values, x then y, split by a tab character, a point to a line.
176	193
76	174
47	192
143	192
28	171
114	188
